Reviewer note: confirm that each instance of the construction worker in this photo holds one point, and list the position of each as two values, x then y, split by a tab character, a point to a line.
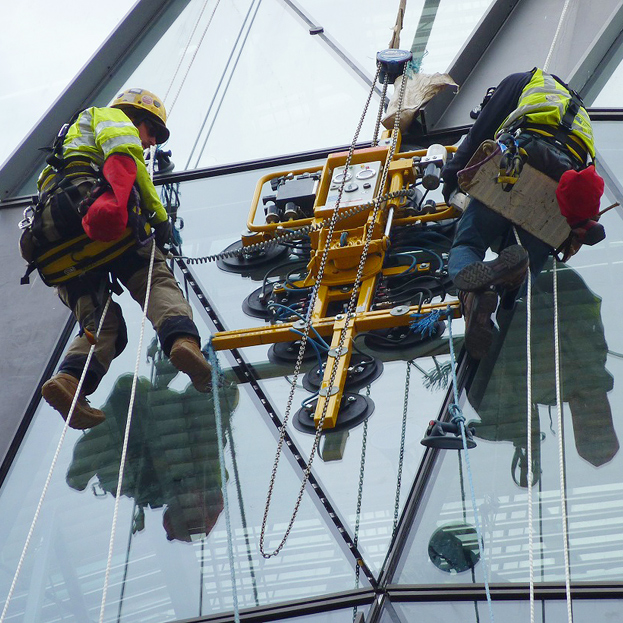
540	117
97	182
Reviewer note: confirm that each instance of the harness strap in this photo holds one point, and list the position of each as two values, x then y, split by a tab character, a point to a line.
560	139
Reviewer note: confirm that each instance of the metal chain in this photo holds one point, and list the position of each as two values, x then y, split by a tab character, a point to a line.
292	234
303	344
362	466
401	455
375	136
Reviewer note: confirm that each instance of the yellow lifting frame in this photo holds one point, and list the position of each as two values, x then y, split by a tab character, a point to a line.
342	256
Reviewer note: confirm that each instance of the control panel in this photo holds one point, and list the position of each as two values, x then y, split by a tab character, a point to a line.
360	184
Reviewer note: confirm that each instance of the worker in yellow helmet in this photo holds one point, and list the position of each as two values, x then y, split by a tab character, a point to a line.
537	114
97	183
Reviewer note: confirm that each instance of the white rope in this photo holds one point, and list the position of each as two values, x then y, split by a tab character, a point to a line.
192	60
556	35
53	465
561	449
529	440
129	416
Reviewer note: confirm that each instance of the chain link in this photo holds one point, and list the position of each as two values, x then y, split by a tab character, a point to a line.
349	313
401	455
290	235
305	335
362	466
375	136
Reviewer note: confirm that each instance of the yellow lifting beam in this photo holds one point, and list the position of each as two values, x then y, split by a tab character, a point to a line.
357	230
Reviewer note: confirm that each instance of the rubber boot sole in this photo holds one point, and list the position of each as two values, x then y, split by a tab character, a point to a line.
508	269
479	327
61	398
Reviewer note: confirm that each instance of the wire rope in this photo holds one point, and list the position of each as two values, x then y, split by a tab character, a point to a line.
192	60
205	120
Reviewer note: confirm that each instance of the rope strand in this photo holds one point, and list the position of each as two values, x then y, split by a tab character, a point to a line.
52	466
561	449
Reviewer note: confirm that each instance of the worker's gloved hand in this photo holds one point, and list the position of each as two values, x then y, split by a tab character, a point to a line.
107	217
163	233
587	232
447	191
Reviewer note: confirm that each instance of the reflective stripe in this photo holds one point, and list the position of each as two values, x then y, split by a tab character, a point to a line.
103	125
544	101
116	141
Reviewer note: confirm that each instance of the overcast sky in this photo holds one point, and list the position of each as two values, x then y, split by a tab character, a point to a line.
43	46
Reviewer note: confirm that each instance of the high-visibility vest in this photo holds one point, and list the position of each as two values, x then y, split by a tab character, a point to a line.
549	107
98	133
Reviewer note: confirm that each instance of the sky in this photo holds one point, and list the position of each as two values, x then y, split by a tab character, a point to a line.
43	46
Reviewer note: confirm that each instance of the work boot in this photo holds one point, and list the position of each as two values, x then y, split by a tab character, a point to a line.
508	270
187	357
477	308
59	393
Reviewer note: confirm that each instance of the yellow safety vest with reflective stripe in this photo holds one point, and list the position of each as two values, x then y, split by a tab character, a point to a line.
543	102
99	133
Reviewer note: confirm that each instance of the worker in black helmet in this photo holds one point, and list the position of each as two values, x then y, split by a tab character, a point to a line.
545	119
97	183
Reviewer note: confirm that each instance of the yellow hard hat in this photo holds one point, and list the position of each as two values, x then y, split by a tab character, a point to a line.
145	101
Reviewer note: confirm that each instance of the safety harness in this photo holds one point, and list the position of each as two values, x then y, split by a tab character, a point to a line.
52	240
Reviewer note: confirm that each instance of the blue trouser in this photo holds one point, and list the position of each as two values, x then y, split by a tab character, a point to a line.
480	229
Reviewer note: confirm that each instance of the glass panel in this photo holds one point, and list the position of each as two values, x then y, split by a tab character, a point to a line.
368	499
608	135
435	31
170	559
508	611
591	362
610	94
35	29
267	86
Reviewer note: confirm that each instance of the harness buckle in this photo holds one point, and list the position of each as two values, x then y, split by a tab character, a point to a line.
29	217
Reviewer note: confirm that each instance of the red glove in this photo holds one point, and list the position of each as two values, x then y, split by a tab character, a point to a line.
578	195
107	217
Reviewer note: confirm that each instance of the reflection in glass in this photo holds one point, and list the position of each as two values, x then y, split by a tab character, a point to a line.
550	611
172	460
495	405
454	548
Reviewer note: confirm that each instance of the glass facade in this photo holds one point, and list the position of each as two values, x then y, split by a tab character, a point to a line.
380	511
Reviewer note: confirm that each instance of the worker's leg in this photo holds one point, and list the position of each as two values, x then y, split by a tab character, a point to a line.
478	228
59	391
168	311
111	342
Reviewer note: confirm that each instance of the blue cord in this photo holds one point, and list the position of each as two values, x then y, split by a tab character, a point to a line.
217	376
459	418
295	313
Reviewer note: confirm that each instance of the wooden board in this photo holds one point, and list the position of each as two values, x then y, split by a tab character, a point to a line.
531	204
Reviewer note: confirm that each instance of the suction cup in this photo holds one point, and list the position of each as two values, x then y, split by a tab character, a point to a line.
286	353
447	436
354	409
400	338
252	261
255	305
361	372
